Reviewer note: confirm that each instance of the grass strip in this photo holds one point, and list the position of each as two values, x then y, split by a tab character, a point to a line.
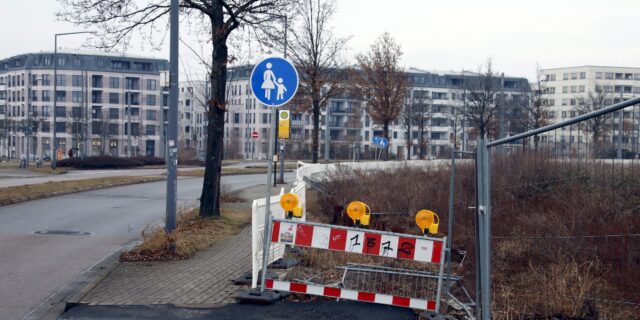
15	194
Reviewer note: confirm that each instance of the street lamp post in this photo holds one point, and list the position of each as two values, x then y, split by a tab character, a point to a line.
29	112
55	90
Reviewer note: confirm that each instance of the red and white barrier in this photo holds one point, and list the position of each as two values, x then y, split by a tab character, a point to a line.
351	295
370	242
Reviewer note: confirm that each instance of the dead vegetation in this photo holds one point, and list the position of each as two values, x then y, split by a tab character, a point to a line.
565	241
192	234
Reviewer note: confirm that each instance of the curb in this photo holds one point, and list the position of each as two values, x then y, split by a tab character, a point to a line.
83	189
103	269
72	293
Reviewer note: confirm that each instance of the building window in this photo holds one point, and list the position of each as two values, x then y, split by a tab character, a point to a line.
61	127
152	115
151	85
46	80
114	98
61	96
76	96
598	75
114	113
574	76
61	80
236	118
583	75
565	89
565	76
151	130
76	80
151	100
114	83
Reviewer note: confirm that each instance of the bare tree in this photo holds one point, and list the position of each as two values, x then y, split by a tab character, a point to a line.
535	106
407	117
118	20
594	100
381	82
316	53
422	117
480	91
455	114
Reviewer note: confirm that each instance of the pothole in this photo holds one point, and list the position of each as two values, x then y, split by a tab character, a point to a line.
64	232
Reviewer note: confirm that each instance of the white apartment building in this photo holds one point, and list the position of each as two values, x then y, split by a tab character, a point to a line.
566	89
192	108
93	95
4	128
349	124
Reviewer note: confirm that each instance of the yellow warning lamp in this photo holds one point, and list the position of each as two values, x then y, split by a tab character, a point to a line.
359	212
289	202
427	220
297	212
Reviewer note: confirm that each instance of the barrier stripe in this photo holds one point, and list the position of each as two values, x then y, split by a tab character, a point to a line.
351	295
356	240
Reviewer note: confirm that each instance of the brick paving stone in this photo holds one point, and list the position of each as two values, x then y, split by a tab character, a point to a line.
202	280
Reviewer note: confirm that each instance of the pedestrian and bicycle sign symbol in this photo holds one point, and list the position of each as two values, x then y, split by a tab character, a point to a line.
274	81
380	142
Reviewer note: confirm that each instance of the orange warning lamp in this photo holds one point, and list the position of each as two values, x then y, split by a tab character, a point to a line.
289	202
427	220
359	212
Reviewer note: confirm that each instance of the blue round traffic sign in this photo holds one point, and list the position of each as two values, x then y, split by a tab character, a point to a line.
380	142
274	81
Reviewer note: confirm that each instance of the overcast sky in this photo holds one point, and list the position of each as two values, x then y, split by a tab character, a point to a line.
434	34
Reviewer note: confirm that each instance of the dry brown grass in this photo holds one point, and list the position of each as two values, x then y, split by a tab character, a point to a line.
560	275
192	234
48	170
9	165
27	192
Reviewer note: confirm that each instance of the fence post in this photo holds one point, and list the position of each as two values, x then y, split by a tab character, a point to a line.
452	182
483	221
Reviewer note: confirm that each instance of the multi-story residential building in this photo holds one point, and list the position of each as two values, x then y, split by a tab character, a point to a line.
350	126
193	116
4	126
568	90
93	95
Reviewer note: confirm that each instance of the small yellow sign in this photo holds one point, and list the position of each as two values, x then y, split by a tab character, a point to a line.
284	124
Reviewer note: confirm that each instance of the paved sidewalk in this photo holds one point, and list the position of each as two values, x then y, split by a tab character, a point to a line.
201	281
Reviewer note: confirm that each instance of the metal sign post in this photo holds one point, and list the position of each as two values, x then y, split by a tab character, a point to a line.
274	81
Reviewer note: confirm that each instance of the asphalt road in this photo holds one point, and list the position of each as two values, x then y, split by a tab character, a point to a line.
34	266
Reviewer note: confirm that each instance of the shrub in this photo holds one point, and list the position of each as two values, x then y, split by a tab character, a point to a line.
100	162
149	161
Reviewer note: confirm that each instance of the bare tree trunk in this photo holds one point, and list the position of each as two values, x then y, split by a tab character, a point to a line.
316	129
210	198
386	135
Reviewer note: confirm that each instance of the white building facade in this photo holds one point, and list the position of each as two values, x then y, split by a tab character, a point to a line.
192	106
94	93
566	90
350	126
